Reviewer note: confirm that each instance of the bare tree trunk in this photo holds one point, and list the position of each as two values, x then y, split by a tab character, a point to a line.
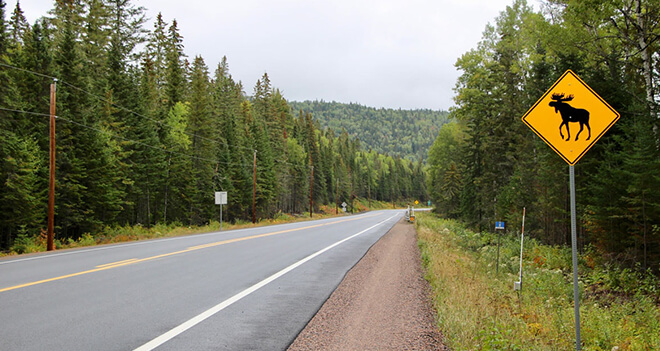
647	60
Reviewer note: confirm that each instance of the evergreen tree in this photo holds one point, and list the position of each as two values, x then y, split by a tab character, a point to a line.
95	40
204	148
175	76
19	25
235	157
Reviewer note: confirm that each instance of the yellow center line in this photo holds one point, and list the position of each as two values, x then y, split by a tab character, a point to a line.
115	263
192	248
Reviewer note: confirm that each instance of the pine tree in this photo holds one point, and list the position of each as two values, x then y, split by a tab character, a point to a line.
19	25
175	76
4	58
95	41
234	153
204	148
21	197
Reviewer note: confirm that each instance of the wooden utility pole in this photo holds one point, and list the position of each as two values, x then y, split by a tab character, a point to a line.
311	194
254	189
51	186
337	198
370	196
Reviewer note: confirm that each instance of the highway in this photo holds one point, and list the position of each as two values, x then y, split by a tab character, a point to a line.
248	289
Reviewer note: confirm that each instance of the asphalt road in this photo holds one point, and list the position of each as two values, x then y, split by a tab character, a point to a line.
249	289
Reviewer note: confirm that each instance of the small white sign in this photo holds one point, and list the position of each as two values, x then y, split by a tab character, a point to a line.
220	197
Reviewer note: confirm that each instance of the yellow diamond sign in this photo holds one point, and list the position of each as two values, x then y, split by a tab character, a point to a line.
570	117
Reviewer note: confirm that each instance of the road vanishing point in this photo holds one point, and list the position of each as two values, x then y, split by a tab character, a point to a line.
247	289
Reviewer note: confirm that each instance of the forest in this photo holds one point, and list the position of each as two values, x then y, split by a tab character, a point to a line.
486	165
146	135
405	133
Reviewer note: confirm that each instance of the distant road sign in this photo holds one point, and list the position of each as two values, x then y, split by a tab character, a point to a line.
220	197
416	202
570	129
499	225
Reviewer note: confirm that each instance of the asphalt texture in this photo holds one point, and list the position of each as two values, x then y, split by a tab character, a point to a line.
122	297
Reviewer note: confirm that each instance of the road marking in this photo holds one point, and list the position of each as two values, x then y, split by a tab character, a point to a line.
224	304
193	248
116	263
144	242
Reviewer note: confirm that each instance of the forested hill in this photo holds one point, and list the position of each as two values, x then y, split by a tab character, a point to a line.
405	133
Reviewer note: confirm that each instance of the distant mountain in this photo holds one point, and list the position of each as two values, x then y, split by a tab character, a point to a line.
405	133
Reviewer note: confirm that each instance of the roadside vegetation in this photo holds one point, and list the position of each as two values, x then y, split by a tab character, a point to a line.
486	164
25	243
145	135
477	308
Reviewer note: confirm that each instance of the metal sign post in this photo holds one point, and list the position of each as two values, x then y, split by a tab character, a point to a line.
498	226
220	199
576	293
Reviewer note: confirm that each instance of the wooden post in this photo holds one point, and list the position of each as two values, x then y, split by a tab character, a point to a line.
311	195
337	198
51	186
254	189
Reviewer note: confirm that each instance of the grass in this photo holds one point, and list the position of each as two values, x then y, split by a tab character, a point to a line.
25	243
478	309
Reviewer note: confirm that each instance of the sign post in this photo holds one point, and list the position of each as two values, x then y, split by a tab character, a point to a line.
576	292
518	285
220	199
549	118
498	226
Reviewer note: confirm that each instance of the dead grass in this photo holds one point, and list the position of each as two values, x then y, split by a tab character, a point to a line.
478	309
117	234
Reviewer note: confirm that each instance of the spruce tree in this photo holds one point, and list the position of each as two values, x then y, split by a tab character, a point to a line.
175	75
19	25
204	147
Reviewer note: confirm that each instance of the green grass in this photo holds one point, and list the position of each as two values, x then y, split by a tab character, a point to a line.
26	243
478	309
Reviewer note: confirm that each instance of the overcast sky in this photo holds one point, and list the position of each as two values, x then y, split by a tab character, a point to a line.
380	53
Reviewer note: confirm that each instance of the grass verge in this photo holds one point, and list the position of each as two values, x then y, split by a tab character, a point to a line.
116	234
478	309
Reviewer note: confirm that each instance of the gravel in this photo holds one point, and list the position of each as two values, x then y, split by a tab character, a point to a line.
383	303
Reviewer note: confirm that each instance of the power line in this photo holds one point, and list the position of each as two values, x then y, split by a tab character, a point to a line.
119	106
111	134
27	71
26	112
100	98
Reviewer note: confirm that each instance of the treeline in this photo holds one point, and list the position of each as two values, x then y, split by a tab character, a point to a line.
487	165
147	136
404	133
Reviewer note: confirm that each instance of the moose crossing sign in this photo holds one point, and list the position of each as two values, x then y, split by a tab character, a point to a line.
570	117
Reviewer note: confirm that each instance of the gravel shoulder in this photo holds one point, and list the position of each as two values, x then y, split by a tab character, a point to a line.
383	303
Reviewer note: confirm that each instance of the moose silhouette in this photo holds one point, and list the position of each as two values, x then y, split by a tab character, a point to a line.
570	114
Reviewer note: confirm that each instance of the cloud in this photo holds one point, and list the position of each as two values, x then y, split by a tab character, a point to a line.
386	53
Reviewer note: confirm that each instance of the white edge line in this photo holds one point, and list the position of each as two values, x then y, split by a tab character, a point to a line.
144	242
224	304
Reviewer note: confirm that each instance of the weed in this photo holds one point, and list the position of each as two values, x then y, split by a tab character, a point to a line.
478	310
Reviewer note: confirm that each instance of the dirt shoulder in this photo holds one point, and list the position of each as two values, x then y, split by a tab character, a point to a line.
383	303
